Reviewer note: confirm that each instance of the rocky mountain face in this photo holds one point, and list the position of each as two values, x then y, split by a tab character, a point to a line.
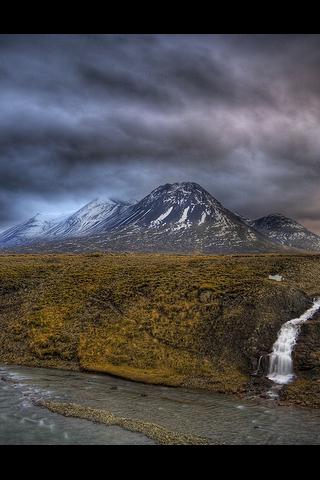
179	217
286	231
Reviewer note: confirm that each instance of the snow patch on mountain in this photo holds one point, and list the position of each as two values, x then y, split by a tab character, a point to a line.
203	217
161	217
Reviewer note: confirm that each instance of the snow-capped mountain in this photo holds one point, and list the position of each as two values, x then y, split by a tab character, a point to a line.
286	231
172	207
34	227
92	218
178	217
183	217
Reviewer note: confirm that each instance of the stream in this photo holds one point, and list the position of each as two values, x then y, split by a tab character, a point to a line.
220	418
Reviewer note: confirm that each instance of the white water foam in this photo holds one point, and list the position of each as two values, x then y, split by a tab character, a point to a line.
281	365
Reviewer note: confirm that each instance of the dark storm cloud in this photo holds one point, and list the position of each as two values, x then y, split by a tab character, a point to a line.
88	115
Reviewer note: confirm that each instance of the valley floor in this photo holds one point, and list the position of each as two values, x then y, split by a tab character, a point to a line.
182	320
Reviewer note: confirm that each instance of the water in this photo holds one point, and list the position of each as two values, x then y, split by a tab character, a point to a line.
220	418
281	365
22	423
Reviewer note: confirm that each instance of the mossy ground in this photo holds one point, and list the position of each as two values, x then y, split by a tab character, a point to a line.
197	321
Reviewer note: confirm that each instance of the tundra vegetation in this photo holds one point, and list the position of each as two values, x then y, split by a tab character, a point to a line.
182	320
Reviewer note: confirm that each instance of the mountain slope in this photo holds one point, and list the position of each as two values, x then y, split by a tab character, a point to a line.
92	218
286	231
25	232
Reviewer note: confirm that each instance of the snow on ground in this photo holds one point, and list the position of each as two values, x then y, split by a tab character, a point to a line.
277	278
203	217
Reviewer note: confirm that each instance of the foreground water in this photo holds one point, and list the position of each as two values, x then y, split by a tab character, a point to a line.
220	418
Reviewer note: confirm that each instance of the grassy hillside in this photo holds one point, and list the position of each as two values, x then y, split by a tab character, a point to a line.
198	321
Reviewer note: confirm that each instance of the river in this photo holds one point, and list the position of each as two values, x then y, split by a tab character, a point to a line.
220	418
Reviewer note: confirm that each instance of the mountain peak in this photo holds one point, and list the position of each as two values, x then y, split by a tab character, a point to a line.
100	201
183	208
286	231
187	186
181	193
277	215
273	219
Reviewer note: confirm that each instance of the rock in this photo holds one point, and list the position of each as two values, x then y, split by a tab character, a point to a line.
205	296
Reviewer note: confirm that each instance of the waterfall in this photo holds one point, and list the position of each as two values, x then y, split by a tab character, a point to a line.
281	365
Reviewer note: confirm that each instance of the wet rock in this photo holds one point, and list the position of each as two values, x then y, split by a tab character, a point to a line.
306	355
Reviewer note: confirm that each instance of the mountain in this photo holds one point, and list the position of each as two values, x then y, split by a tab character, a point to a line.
179	217
92	218
184	217
25	232
286	231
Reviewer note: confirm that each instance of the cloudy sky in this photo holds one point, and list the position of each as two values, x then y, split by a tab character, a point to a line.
83	116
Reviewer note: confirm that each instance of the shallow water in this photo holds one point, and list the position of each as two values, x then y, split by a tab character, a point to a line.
221	418
22	423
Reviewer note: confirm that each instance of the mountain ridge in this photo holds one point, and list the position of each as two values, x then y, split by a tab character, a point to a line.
178	217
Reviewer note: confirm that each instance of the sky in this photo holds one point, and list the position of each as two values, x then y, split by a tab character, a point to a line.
116	115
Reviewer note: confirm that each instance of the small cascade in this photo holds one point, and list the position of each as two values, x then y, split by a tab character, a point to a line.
258	367
281	364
